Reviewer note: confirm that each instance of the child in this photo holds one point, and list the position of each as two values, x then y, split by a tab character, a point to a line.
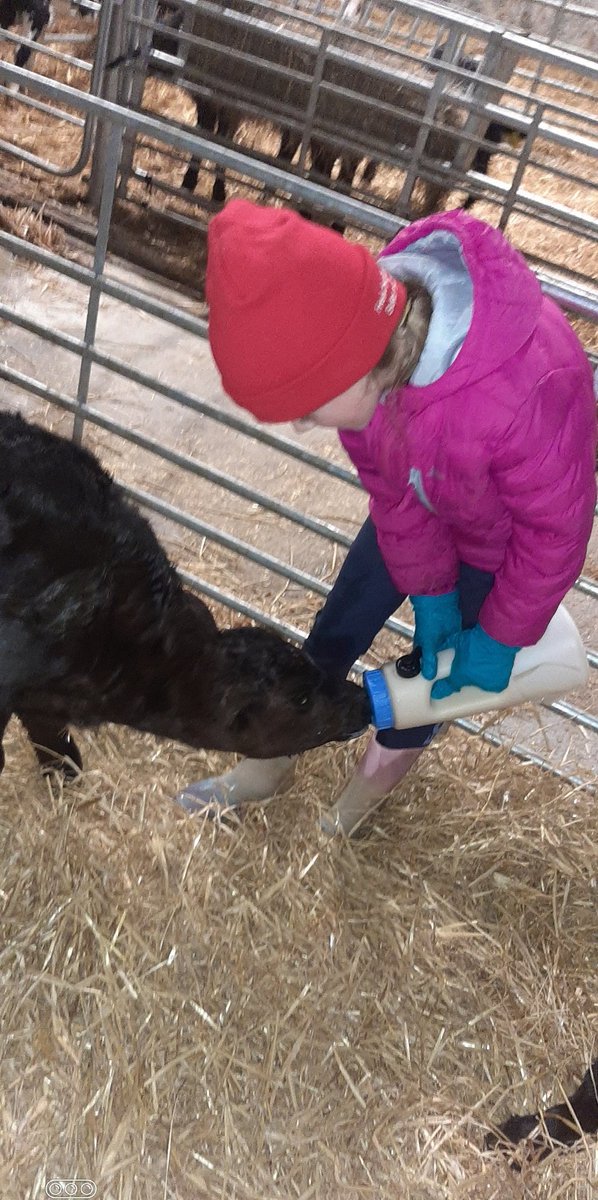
466	403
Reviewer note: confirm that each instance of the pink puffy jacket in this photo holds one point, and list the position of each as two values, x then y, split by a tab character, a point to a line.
502	447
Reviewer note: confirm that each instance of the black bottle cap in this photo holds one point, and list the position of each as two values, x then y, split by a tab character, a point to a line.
409	665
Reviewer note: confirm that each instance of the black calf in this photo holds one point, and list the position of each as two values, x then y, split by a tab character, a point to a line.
37	12
561	1125
95	626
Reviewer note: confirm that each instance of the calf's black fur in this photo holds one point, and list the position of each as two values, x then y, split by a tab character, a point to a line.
561	1125
95	626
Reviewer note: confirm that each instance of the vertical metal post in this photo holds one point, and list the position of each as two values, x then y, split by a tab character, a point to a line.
551	39
113	13
132	81
113	149
426	123
497	66
313	97
523	160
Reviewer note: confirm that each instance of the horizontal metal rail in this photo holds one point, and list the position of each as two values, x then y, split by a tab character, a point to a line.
584	303
45	51
550	22
40	106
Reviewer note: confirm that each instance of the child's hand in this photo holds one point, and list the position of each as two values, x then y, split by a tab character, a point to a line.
437	622
479	660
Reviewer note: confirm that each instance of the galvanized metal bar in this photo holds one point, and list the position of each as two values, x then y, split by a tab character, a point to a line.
313	97
526	755
275	441
586	720
140	300
77	39
384	223
237	546
202	470
234	160
242	606
130	91
298	636
34	386
567	219
96	417
414	168
39	106
134	297
43	49
99	259
522	165
588	586
564	59
114	23
228	541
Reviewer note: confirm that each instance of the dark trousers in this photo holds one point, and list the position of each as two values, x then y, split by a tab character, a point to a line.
362	599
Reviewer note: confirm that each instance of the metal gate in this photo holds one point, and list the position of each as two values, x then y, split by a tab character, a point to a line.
546	96
257	521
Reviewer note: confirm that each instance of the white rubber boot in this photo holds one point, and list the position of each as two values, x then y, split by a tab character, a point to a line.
252	779
377	773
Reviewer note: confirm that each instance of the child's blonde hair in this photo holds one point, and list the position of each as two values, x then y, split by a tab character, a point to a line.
402	352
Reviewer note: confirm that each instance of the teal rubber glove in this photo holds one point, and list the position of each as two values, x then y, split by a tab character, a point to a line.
437	621
479	660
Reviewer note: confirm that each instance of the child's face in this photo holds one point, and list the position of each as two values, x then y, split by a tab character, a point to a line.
353	409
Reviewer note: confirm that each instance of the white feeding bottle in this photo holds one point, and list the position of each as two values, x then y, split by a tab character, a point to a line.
400	696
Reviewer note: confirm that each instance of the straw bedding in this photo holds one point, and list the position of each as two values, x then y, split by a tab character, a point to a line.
194	1011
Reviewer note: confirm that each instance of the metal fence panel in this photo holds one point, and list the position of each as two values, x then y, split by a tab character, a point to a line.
255	520
294	75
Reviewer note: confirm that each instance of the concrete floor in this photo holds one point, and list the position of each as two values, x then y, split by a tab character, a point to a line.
178	358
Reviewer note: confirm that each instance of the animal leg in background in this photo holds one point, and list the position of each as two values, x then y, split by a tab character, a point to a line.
212	119
37	12
561	1125
40	15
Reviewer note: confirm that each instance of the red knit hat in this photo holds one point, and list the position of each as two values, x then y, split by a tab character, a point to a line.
297	314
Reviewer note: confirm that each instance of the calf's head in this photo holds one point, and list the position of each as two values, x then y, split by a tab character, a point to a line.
269	698
247	690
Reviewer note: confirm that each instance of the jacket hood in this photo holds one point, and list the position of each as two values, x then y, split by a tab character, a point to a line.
507	298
